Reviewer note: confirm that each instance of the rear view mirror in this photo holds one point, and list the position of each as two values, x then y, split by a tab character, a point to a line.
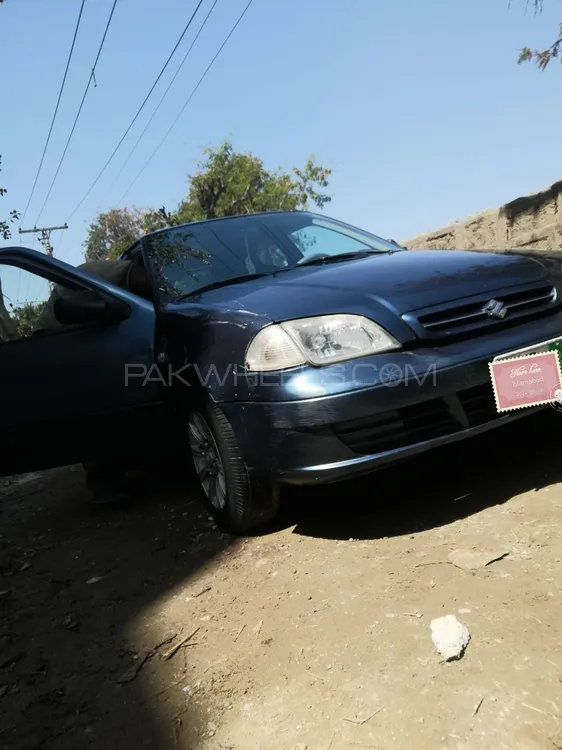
86	307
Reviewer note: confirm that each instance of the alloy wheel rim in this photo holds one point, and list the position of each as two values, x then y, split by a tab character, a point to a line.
207	461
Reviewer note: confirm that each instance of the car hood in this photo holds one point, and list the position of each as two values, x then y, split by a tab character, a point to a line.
394	283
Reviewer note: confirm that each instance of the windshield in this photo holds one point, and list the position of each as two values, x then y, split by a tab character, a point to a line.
312	234
192	257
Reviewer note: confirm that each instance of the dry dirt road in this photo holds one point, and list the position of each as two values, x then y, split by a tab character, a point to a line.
145	627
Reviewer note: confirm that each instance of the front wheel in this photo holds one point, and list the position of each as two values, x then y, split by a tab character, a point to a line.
238	502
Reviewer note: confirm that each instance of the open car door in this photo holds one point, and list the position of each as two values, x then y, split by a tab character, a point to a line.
66	396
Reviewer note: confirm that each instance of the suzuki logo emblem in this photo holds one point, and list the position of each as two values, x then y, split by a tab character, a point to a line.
495	309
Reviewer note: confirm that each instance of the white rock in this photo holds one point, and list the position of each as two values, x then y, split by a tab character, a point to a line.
450	637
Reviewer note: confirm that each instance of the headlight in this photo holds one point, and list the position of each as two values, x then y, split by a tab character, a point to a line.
323	340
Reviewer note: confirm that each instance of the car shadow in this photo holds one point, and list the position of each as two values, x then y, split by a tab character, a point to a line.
79	593
434	489
78	589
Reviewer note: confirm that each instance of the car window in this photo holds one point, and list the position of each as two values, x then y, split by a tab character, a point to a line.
250	243
315	239
181	261
311	234
23	299
186	258
132	251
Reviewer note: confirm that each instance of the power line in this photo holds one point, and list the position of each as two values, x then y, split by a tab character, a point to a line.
91	78
223	45
56	109
163	97
95	182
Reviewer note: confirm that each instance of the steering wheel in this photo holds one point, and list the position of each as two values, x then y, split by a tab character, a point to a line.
309	258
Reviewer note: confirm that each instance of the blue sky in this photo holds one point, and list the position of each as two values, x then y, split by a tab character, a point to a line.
418	107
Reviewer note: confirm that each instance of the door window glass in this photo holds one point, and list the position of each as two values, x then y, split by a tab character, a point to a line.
26	304
22	300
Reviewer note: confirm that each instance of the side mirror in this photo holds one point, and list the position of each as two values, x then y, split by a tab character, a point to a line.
86	307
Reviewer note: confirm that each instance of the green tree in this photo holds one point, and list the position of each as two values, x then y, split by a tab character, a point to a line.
157	219
112	233
545	56
5	231
25	317
230	183
226	183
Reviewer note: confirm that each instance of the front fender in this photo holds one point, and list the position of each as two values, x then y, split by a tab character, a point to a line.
205	350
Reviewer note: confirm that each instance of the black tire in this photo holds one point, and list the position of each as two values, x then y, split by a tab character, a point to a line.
250	504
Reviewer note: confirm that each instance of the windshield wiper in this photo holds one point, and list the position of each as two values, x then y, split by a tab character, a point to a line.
342	256
224	282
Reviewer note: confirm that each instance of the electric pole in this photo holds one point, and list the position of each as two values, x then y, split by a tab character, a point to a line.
45	233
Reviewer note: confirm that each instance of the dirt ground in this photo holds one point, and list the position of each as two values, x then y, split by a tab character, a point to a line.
316	635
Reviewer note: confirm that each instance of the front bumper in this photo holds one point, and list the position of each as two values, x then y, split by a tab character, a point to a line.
445	397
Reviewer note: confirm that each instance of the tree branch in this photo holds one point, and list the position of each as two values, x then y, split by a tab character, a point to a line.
541	57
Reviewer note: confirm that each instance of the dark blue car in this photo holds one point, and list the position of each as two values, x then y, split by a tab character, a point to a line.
281	348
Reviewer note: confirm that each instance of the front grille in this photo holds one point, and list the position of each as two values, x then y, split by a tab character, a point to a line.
470	317
396	429
479	404
427	420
